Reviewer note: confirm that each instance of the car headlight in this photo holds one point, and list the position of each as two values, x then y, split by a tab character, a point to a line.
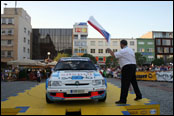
55	83
97	82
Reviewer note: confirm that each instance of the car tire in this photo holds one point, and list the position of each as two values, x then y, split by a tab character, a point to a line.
104	99
47	100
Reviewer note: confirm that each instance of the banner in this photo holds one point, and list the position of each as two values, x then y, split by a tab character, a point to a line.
165	76
146	76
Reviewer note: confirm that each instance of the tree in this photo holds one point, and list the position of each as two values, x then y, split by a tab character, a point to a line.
111	61
59	55
158	62
140	59
91	57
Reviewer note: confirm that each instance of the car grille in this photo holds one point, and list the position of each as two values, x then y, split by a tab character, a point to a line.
80	84
78	95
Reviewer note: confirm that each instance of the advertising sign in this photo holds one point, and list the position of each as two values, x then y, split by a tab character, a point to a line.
165	76
146	76
81	30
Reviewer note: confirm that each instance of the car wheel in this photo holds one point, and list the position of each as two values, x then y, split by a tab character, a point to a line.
47	100
104	99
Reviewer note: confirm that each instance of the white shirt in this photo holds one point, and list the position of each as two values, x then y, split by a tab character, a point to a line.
125	56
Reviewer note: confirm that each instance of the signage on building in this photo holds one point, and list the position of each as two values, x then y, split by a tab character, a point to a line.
81	30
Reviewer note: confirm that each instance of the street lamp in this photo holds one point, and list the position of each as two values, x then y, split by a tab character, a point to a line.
48	54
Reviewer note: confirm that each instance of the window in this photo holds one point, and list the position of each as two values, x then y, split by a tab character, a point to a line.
100	43
115	43
158	42
77	43
9	53
28	41
166	50
132	43
114	50
24	39
83	36
28	32
10	31
150	43
141	50
28	50
166	42
92	43
171	50
23	49
9	42
25	30
3	20
2	53
141	43
76	51
100	50
150	50
159	50
3	31
83	43
75	36
92	50
106	51
10	21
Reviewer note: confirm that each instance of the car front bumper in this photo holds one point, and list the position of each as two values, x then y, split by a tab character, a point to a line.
64	94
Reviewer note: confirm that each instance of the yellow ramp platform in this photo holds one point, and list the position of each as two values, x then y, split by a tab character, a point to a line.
33	102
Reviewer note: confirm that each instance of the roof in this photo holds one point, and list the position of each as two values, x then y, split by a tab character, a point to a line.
75	59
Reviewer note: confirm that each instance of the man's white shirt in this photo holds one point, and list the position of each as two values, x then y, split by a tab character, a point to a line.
125	56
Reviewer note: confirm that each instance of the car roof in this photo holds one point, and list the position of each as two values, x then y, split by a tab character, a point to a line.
75	59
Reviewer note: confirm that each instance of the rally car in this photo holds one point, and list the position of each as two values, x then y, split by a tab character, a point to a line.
75	78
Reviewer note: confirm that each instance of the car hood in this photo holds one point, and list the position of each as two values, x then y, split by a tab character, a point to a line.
76	75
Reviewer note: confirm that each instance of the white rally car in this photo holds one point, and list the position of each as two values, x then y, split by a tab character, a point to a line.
75	78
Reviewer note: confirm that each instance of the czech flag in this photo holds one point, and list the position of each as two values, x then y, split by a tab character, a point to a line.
99	28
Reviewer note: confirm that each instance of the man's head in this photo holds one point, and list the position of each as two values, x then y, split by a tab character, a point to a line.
123	43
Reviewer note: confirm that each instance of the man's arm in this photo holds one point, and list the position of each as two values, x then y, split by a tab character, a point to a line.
111	52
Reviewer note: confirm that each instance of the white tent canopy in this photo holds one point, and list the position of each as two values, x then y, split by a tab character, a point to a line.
23	62
52	63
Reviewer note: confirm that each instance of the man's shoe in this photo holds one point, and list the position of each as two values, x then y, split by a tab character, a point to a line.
137	98
120	102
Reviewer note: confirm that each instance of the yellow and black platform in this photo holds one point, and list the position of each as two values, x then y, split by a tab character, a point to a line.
32	102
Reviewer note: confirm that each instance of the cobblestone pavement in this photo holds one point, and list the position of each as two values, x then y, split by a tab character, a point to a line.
160	92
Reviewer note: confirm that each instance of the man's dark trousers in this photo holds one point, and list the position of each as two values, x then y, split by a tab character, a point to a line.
128	73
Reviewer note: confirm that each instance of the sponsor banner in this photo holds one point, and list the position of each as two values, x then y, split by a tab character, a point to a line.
146	76
164	76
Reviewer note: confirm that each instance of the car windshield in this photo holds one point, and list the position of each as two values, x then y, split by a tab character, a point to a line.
75	65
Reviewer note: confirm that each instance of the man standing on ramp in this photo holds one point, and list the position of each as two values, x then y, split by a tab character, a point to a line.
127	63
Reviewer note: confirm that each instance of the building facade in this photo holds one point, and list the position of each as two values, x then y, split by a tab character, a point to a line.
163	43
147	48
97	47
51	40
80	34
15	34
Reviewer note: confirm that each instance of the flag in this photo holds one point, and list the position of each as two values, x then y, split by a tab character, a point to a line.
99	28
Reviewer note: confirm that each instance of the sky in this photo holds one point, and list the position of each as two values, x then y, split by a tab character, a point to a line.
122	19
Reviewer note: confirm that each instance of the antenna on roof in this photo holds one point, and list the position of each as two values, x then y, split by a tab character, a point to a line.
15	7
5	4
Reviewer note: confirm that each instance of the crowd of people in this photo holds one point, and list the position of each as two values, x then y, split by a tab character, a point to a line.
116	72
25	73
